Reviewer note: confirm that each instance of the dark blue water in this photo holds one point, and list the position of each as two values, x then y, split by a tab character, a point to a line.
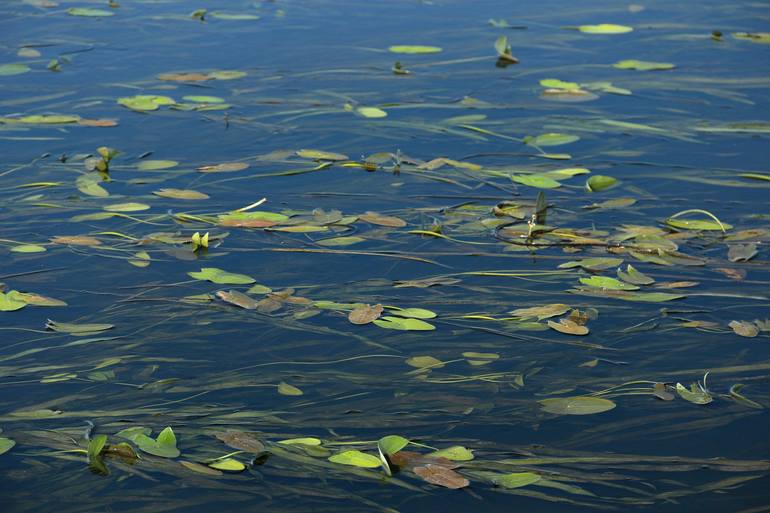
693	137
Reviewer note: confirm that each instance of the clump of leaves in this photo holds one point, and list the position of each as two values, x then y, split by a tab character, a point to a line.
504	55
101	164
199	241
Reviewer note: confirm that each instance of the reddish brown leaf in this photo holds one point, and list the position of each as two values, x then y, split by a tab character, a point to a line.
184	77
365	314
76	240
225	167
238	299
442	476
409	459
242	441
98	122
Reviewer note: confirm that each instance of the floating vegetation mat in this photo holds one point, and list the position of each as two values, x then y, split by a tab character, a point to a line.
389	256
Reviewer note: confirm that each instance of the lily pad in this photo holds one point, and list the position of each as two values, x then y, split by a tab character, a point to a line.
406	324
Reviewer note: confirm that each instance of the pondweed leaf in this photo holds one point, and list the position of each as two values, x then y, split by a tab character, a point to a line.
539	181
400	323
300	441
568	327
227	465
576	405
371	112
89	12
200	469
631	275
28	248
742	252
237	298
126	207
643	65
550	139
600	182
454	453
412	49
365	314
95	446
7	70
221	276
144	102
356	459
287	389
154	165
595	264
424	362
441	476
415	313
6	444
604	28
516	479
11	301
541	312
391	444
225	167
694	395
744	328
242	441
77	329
605	282
321	155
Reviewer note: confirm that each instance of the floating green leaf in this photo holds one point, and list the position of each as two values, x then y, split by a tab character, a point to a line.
643	65
551	139
228	465
6	444
631	275
287	389
371	112
424	362
454	453
695	394
600	182
143	102
516	479
153	165
356	459
95	446
415	313
11	301
391	444
89	12
7	70
577	405
604	28
406	324
539	181
596	264
28	248
605	282
221	276
300	441
163	446
412	49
